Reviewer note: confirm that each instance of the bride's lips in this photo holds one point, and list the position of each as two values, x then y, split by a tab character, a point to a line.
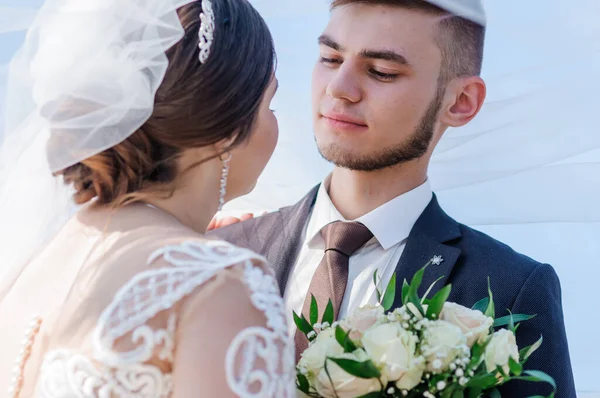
343	122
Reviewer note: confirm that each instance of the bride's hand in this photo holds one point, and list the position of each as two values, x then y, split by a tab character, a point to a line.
217	222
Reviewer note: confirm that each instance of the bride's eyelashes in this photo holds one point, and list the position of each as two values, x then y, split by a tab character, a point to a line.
387	77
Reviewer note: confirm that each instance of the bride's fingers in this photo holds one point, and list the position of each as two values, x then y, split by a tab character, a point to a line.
229	220
212	225
246	216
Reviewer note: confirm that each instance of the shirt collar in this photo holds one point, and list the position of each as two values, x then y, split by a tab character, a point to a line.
390	223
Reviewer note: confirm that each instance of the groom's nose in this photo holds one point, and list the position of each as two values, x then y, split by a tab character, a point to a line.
344	84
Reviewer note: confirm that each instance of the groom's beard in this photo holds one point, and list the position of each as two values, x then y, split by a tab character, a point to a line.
416	146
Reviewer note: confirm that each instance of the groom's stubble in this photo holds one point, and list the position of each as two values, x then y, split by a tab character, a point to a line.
414	147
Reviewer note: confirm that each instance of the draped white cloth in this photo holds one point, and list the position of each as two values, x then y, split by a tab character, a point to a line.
526	170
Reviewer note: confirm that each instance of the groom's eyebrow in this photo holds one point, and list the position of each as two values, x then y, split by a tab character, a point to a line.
385	54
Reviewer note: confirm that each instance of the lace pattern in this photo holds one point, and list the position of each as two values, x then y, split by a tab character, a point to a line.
117	373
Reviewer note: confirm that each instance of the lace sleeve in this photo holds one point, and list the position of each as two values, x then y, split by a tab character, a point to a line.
205	319
232	339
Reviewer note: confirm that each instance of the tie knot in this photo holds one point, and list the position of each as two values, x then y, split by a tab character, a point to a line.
345	237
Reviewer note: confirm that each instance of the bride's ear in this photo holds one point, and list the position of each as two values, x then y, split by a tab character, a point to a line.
466	97
224	147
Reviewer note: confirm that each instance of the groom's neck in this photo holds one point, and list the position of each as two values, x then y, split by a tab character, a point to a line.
356	193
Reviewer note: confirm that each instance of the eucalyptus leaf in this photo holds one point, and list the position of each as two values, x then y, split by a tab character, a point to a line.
363	370
505	320
541	376
526	352
481	305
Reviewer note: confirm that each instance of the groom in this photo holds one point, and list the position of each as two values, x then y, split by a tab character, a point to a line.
392	76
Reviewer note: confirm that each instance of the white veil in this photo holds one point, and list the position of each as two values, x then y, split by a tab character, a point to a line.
526	171
83	80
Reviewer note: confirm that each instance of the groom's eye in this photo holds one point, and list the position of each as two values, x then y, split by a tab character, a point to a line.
330	61
383	76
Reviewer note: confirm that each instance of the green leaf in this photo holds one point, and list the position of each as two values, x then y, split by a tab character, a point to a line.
437	302
363	370
413	290
390	294
376	283
481	305
458	394
541	376
526	352
483	382
302	383
376	394
505	320
431	287
494	393
515	367
314	310
405	289
344	340
490	311
302	324
328	315
474	392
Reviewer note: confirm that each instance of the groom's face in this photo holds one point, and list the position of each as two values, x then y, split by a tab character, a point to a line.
375	87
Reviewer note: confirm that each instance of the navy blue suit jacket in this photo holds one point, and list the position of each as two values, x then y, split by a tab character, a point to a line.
519	283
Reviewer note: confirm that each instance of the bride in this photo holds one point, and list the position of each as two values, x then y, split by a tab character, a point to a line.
154	114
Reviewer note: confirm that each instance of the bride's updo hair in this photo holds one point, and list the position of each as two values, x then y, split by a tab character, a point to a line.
196	105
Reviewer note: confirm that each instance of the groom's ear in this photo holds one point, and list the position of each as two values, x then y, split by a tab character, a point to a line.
465	97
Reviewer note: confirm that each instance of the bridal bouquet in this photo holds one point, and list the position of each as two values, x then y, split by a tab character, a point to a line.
427	348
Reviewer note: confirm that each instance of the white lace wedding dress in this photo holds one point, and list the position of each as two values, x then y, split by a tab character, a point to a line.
191	319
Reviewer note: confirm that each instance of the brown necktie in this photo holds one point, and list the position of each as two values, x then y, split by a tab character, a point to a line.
342	239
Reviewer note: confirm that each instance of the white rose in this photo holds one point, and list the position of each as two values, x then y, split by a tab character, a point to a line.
501	347
344	384
474	324
313	358
362	319
443	343
393	350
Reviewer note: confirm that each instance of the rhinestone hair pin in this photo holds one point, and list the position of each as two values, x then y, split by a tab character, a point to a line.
207	29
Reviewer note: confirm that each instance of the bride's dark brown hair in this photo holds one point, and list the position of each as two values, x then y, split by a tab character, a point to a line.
196	105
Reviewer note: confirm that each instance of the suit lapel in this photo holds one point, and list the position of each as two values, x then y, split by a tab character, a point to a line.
429	238
285	236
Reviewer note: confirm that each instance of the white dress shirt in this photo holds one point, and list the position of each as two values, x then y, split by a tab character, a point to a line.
390	224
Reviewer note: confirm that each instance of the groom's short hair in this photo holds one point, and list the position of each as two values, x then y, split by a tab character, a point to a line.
460	40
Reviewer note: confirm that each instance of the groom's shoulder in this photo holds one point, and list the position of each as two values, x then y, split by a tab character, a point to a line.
493	257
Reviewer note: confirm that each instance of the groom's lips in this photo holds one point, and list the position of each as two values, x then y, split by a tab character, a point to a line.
344	122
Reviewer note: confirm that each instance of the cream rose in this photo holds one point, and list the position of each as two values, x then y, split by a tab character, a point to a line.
501	347
313	358
393	350
345	385
362	319
474	324
443	344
